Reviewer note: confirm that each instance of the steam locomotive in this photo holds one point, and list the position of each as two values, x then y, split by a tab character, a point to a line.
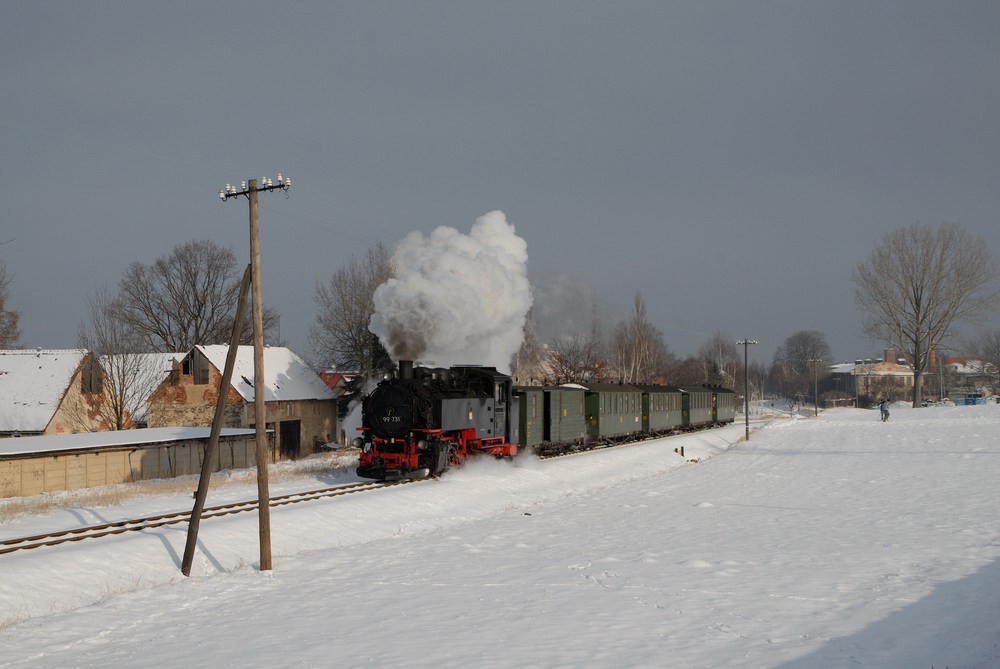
423	420
419	423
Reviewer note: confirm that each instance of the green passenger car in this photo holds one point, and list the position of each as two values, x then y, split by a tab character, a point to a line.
661	409
614	412
707	406
696	407
724	404
531	407
551	418
565	415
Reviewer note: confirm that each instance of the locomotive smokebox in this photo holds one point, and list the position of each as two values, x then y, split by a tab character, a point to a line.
406	369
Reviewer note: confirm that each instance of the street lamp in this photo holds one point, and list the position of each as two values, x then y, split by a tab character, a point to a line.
746	398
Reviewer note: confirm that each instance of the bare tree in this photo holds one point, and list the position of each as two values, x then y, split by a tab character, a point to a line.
687	372
799	363
10	320
987	349
918	283
664	363
637	351
572	358
721	361
130	374
578	357
528	366
801	349
784	381
756	375
185	299
340	334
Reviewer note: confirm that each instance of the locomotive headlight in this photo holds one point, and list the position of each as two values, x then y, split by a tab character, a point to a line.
422	445
358	443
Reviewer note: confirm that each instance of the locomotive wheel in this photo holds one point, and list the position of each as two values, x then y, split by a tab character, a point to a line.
440	455
434	459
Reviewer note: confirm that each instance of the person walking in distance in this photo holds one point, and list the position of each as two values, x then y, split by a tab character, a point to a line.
884	408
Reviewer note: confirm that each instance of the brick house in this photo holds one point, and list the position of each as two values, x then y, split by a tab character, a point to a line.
301	408
45	392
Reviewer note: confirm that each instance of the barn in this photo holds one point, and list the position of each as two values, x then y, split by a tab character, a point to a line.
301	410
51	391
33	465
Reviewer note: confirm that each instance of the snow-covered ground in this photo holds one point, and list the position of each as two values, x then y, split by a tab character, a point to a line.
824	542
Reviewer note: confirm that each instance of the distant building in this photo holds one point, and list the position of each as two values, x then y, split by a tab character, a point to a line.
960	377
892	377
874	378
45	392
301	408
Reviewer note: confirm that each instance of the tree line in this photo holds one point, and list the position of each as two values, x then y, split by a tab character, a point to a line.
631	351
916	286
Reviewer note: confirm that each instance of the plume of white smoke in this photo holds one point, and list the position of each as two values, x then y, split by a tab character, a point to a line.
456	298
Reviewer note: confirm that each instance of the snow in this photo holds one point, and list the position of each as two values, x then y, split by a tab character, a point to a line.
287	376
29	406
56	443
823	542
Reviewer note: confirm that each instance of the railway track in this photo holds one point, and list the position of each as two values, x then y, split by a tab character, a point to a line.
150	522
133	525
580	448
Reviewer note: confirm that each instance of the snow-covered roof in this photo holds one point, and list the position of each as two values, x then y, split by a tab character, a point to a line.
154	365
94	440
845	368
286	376
970	366
148	372
959	365
32	384
880	368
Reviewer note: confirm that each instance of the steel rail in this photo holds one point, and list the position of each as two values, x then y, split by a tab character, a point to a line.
151	522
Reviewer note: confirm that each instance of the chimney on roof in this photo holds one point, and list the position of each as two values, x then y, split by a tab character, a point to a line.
890	356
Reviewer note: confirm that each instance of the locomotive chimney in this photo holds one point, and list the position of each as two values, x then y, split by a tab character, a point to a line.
406	369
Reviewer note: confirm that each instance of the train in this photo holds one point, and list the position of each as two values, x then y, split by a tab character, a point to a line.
420	421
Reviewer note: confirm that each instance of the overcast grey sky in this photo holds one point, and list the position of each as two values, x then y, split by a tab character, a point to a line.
731	161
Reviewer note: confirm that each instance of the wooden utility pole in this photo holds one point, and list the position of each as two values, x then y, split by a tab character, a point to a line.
746	399
250	190
213	440
259	405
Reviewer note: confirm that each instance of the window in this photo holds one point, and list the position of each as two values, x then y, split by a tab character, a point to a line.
91	377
